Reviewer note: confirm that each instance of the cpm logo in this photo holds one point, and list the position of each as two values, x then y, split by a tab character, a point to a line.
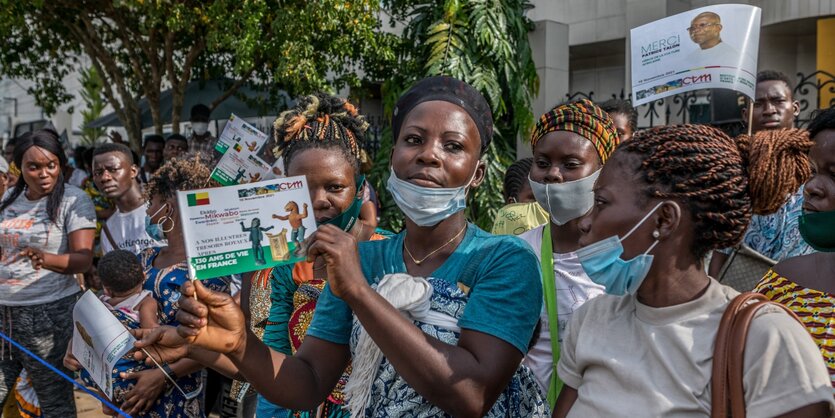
290	185
696	79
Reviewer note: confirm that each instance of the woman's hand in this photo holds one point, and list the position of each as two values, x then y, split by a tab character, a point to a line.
339	250
35	256
163	343
70	362
149	385
212	320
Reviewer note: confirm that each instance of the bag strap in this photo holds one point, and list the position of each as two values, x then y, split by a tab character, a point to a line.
108	236
727	386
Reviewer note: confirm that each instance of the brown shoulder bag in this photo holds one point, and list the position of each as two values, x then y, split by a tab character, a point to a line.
727	390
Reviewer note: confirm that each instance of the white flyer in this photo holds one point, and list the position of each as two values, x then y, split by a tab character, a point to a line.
710	47
99	340
246	227
239	144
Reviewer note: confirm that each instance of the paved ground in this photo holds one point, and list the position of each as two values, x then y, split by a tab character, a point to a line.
87	406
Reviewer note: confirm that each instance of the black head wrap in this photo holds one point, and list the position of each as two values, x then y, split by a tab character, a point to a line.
450	90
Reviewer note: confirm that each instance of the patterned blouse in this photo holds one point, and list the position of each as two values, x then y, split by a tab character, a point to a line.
815	309
777	236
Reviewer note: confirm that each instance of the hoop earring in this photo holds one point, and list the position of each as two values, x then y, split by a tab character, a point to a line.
162	221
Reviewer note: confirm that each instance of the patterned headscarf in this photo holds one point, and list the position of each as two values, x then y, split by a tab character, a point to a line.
583	118
447	89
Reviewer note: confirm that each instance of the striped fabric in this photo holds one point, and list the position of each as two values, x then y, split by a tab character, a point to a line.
815	309
583	118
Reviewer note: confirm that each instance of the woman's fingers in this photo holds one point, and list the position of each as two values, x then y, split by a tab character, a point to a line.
194	307
210	297
187	289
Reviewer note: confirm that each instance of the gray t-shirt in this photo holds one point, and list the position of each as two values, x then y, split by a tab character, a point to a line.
25	223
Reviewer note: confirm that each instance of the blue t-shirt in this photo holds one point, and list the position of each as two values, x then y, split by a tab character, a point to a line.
500	274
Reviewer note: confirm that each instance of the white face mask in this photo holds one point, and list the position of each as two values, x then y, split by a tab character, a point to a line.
565	201
427	206
199	128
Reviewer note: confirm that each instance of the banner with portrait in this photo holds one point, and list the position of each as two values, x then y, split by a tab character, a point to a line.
709	47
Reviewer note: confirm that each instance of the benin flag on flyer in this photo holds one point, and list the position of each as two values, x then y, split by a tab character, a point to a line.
246	227
198	199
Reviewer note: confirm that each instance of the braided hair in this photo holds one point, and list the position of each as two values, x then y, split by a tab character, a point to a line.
186	172
320	121
515	178
778	164
703	169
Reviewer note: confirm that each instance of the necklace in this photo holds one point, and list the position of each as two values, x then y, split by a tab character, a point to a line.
417	262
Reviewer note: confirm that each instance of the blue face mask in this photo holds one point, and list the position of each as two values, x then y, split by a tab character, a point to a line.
153	229
427	206
602	263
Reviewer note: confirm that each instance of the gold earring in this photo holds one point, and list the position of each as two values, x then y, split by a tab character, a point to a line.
162	221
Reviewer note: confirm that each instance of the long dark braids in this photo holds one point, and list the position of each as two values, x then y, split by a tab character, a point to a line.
48	140
320	121
515	178
707	171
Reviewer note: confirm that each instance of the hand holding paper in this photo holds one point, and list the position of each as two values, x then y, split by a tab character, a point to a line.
163	343
339	248
212	321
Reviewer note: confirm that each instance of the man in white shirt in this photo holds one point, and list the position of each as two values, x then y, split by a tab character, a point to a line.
114	173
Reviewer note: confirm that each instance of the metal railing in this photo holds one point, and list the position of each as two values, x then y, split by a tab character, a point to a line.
680	108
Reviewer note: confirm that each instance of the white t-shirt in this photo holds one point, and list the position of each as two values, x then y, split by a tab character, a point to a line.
25	223
629	359
128	231
573	288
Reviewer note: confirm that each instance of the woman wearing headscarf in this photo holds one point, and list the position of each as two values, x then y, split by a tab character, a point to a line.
415	313
646	348
571	142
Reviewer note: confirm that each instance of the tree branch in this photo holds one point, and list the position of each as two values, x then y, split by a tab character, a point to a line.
237	84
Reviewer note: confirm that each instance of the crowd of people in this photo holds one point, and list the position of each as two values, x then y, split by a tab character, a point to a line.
598	291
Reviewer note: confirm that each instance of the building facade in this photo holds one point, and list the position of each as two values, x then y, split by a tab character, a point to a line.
581	49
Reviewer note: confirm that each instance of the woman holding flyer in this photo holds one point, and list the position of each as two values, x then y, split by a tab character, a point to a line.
279	302
416	314
146	392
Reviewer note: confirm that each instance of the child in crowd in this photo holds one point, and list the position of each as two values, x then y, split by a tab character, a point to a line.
122	279
521	212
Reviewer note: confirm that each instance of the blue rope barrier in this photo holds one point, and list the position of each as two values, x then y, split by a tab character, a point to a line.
62	374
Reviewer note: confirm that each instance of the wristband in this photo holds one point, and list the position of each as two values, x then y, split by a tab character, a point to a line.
167	370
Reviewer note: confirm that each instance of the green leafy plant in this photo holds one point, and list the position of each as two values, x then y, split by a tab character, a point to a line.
485	43
141	47
91	94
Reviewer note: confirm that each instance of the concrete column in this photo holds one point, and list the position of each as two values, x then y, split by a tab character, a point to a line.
549	46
